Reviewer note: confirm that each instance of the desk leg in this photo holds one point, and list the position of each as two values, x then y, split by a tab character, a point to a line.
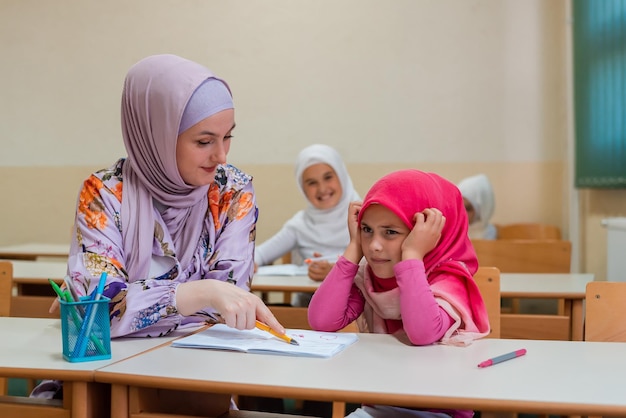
577	319
79	398
339	409
119	401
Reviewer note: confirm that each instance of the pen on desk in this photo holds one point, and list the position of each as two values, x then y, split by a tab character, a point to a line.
260	325
323	258
90	316
503	357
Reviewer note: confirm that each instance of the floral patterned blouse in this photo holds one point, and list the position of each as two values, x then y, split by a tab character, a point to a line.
146	306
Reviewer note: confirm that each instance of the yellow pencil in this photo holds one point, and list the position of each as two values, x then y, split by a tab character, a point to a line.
284	337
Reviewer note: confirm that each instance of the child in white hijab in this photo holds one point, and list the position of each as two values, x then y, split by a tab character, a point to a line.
320	229
480	204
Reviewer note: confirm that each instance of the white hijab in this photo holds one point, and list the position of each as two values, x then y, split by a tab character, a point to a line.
478	191
327	226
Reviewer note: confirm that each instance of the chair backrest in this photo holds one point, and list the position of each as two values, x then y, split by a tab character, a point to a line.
605	311
6	287
488	281
528	231
525	256
286	259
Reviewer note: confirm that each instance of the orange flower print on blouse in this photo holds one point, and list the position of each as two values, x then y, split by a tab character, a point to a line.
214	204
90	206
236	205
242	205
117	191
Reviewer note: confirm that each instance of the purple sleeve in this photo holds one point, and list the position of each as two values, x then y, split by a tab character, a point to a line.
338	301
424	321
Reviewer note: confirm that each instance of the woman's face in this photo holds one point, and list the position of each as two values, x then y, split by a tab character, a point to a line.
204	146
321	186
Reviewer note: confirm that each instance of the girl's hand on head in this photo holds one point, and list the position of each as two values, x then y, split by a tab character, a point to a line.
354	251
425	234
353	224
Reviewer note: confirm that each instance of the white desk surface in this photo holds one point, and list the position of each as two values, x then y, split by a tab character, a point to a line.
545	285
32	348
558	377
538	285
35	249
25	271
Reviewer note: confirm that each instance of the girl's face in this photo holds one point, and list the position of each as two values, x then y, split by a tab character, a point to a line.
382	235
471	213
204	146
321	186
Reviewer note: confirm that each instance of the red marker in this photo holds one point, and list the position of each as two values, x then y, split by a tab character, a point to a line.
503	357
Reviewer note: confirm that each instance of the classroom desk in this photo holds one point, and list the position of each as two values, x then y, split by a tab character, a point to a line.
32	294
34	250
31	348
569	287
555	377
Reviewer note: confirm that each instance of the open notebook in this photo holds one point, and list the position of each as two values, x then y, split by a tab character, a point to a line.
283	270
311	343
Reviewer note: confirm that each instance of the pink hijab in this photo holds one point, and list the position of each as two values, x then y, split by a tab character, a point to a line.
156	92
406	192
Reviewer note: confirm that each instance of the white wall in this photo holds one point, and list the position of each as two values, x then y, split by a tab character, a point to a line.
404	81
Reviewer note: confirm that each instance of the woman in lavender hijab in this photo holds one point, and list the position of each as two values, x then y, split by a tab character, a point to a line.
172	224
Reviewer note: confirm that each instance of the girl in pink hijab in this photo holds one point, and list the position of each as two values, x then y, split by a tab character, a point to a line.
416	277
172	224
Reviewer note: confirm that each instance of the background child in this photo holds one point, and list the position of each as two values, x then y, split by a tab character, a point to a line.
416	280
320	229
479	203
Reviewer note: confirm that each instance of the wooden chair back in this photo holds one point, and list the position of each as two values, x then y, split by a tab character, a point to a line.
488	281
605	311
525	256
528	256
6	288
528	231
286	259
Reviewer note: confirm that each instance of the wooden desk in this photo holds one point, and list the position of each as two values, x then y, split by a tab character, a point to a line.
555	377
566	286
570	287
33	251
32	348
32	294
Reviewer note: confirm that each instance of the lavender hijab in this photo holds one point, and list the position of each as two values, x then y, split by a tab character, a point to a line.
156	92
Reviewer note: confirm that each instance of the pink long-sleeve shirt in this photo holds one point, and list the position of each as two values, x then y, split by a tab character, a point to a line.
339	301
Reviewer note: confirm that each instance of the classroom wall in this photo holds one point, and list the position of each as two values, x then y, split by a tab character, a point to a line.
446	86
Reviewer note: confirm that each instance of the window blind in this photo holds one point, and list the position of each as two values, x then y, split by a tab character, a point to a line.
600	93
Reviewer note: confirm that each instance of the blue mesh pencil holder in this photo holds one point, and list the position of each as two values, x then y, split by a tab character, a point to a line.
86	330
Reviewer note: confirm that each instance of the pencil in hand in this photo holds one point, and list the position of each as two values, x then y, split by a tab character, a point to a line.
260	325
